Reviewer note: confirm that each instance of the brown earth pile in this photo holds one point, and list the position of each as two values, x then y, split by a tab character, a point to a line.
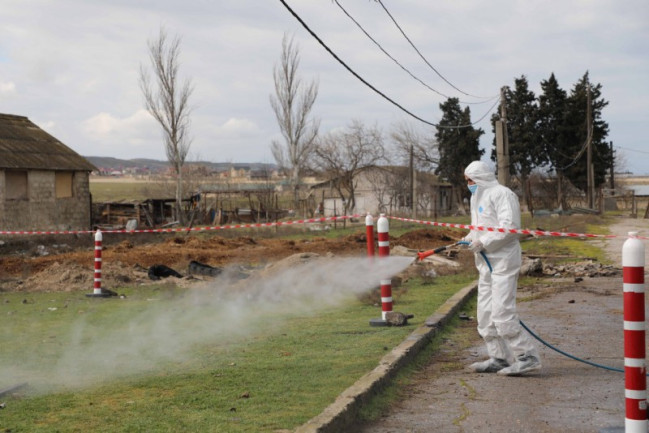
59	267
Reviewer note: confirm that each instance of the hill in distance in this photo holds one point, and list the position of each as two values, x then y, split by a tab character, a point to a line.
154	165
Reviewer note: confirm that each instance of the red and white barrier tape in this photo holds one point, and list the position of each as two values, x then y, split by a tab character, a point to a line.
181	229
317	220
504	230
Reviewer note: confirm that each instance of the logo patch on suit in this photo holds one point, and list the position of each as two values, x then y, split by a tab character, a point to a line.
480	209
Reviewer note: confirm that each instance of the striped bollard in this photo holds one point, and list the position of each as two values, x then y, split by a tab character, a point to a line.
97	293
635	369
369	234
383	228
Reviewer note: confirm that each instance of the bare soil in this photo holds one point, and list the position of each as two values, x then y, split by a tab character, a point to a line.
67	264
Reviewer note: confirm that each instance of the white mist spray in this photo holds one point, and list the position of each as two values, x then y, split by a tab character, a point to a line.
167	330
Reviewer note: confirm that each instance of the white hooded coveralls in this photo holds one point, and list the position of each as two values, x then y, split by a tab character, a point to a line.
494	205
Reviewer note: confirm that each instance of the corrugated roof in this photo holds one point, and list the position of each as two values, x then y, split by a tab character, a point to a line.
23	145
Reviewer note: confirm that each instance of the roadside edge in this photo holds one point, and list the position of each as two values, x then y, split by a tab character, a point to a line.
343	411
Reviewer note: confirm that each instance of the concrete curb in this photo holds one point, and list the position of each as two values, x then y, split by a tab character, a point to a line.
342	412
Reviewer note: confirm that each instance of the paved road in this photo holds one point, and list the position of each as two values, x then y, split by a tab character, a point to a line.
584	319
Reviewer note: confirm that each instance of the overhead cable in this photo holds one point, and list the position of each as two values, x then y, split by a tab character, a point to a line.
397	62
424	58
632	150
312	33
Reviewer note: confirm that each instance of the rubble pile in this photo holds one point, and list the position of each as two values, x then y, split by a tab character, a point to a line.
588	268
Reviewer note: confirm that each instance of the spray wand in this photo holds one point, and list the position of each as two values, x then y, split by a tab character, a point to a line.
423	254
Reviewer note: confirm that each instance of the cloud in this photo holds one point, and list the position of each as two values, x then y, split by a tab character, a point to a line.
105	125
7	87
137	135
233	128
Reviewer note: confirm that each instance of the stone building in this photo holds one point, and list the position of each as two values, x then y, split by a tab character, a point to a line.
43	183
385	190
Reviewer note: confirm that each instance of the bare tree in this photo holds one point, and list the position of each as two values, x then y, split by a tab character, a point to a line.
292	104
342	155
409	140
167	101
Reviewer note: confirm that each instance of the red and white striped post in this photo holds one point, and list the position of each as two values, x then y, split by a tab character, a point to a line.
369	234
383	229
635	369
97	280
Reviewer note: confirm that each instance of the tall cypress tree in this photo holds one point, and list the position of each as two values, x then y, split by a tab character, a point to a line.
525	149
459	144
577	134
553	131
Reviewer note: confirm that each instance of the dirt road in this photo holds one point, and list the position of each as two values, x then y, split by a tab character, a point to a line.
583	318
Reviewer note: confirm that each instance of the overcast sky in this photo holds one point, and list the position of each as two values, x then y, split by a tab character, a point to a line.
72	66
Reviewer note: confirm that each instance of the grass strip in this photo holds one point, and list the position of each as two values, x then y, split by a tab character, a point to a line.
271	378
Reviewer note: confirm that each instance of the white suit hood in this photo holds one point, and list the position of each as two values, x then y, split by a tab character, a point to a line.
481	174
492	205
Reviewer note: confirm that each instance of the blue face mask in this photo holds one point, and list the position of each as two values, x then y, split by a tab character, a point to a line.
473	188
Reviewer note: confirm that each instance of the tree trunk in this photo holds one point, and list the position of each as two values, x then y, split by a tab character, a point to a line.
179	195
528	193
560	196
459	201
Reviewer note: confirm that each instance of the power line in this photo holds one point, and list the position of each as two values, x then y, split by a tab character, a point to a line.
350	70
397	62
633	150
424	58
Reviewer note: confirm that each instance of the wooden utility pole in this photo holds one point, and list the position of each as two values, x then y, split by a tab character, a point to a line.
413	183
613	168
590	172
502	142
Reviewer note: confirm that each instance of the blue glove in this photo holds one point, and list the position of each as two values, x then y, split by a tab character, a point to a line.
475	247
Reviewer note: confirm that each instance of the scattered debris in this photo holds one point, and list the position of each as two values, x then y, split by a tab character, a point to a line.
198	268
581	269
531	266
162	271
395	318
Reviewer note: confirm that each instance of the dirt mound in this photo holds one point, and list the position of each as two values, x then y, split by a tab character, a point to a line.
48	267
72	277
425	239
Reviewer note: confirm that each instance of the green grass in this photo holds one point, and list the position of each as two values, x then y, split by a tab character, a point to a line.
276	376
119	191
567	246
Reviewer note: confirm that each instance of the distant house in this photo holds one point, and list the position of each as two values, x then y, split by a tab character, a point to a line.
43	183
386	190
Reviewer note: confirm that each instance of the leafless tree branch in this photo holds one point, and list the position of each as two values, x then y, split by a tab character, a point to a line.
167	101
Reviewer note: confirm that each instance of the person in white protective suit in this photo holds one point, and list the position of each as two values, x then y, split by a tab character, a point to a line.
511	350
